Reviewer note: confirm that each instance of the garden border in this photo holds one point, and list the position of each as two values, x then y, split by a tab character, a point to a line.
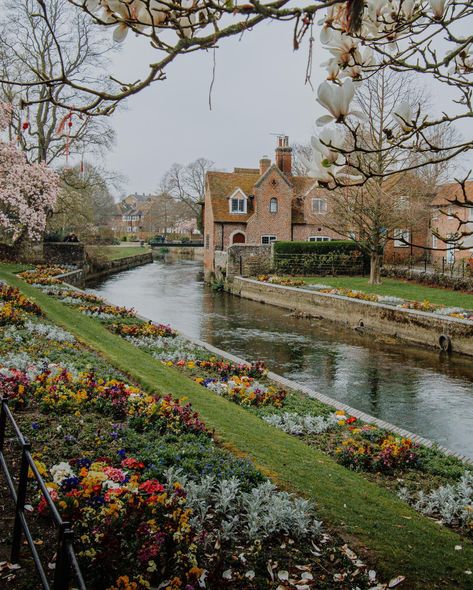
320	396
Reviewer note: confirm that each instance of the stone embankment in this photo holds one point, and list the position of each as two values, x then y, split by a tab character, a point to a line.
408	325
79	278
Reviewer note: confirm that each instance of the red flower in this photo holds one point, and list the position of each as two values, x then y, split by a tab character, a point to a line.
151	486
350	420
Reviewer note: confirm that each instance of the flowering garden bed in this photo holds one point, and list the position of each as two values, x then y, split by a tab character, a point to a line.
390	460
363	510
155	502
425	305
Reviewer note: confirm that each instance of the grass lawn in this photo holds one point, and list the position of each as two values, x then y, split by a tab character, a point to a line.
400	540
404	289
116	252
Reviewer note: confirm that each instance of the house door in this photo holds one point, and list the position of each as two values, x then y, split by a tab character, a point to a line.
238	238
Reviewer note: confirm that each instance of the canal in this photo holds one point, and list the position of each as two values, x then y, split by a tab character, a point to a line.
421	390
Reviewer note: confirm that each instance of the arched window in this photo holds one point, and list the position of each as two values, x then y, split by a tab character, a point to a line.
273	205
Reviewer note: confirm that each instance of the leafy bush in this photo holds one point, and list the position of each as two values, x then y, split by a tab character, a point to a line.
339	246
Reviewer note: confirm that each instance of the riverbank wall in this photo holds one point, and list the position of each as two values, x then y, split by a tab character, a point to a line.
408	325
88	273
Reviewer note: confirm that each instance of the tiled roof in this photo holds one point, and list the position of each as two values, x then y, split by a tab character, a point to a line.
453	191
222	184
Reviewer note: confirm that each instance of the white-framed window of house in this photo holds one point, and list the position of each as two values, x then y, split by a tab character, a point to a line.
450	212
400	237
135	229
129	229
352	235
238	202
434	242
402	202
319	239
470	213
319	206
273	205
268	239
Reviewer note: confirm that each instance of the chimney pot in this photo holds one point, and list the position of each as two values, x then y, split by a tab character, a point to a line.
284	155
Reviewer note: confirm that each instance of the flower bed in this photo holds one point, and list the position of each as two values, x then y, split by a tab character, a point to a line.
389	460
154	501
43	275
425	305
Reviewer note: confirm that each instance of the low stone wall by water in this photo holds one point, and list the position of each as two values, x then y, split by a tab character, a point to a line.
406	324
119	265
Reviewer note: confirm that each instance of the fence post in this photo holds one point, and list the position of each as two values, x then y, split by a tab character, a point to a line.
241	265
443	264
20	503
62	574
425	263
3	423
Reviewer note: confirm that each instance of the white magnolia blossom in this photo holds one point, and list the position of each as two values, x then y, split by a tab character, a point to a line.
329	137
336	98
141	14
438	8
404	116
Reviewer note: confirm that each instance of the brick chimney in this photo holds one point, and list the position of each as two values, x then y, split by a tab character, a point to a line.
264	164
284	155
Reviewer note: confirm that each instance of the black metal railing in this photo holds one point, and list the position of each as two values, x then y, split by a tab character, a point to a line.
66	564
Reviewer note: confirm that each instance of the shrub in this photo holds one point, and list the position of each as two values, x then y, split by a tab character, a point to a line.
339	246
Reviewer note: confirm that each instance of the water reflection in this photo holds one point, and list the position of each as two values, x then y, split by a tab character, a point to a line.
421	390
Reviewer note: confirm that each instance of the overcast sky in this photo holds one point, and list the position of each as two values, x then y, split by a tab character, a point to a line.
259	90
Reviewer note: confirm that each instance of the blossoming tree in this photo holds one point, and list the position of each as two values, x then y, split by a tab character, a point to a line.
27	192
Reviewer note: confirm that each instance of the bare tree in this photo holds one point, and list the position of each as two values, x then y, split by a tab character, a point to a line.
186	183
29	51
301	152
373	213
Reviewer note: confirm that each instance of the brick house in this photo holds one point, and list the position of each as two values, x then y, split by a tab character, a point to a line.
447	210
262	205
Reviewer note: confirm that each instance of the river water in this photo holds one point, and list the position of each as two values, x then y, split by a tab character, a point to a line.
421	390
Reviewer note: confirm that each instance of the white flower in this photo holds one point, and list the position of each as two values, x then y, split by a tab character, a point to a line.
60	472
438	8
404	116
407	8
329	137
333	68
153	14
336	98
342	46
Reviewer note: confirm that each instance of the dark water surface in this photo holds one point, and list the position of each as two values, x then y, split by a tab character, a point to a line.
421	390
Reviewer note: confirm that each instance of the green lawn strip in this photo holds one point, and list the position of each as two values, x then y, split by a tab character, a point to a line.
393	287
402	541
117	252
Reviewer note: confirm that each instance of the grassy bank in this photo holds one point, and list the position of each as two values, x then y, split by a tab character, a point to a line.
117	252
395	288
400	540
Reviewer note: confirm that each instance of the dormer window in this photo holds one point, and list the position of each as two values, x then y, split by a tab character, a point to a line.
238	202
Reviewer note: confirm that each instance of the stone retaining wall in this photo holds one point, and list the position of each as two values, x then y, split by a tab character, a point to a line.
248	260
119	265
410	325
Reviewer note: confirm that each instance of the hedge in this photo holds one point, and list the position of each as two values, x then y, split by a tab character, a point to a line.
338	246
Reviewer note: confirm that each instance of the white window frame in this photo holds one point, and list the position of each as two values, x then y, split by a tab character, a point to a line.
398	235
321	208
241	199
434	242
273	201
319	239
268	239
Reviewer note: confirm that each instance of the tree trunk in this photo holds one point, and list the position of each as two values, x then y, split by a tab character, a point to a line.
375	269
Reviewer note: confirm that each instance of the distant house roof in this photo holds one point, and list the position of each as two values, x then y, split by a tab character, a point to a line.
222	184
453	192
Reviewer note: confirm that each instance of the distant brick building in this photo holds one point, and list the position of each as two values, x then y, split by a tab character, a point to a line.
142	216
448	207
262	205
